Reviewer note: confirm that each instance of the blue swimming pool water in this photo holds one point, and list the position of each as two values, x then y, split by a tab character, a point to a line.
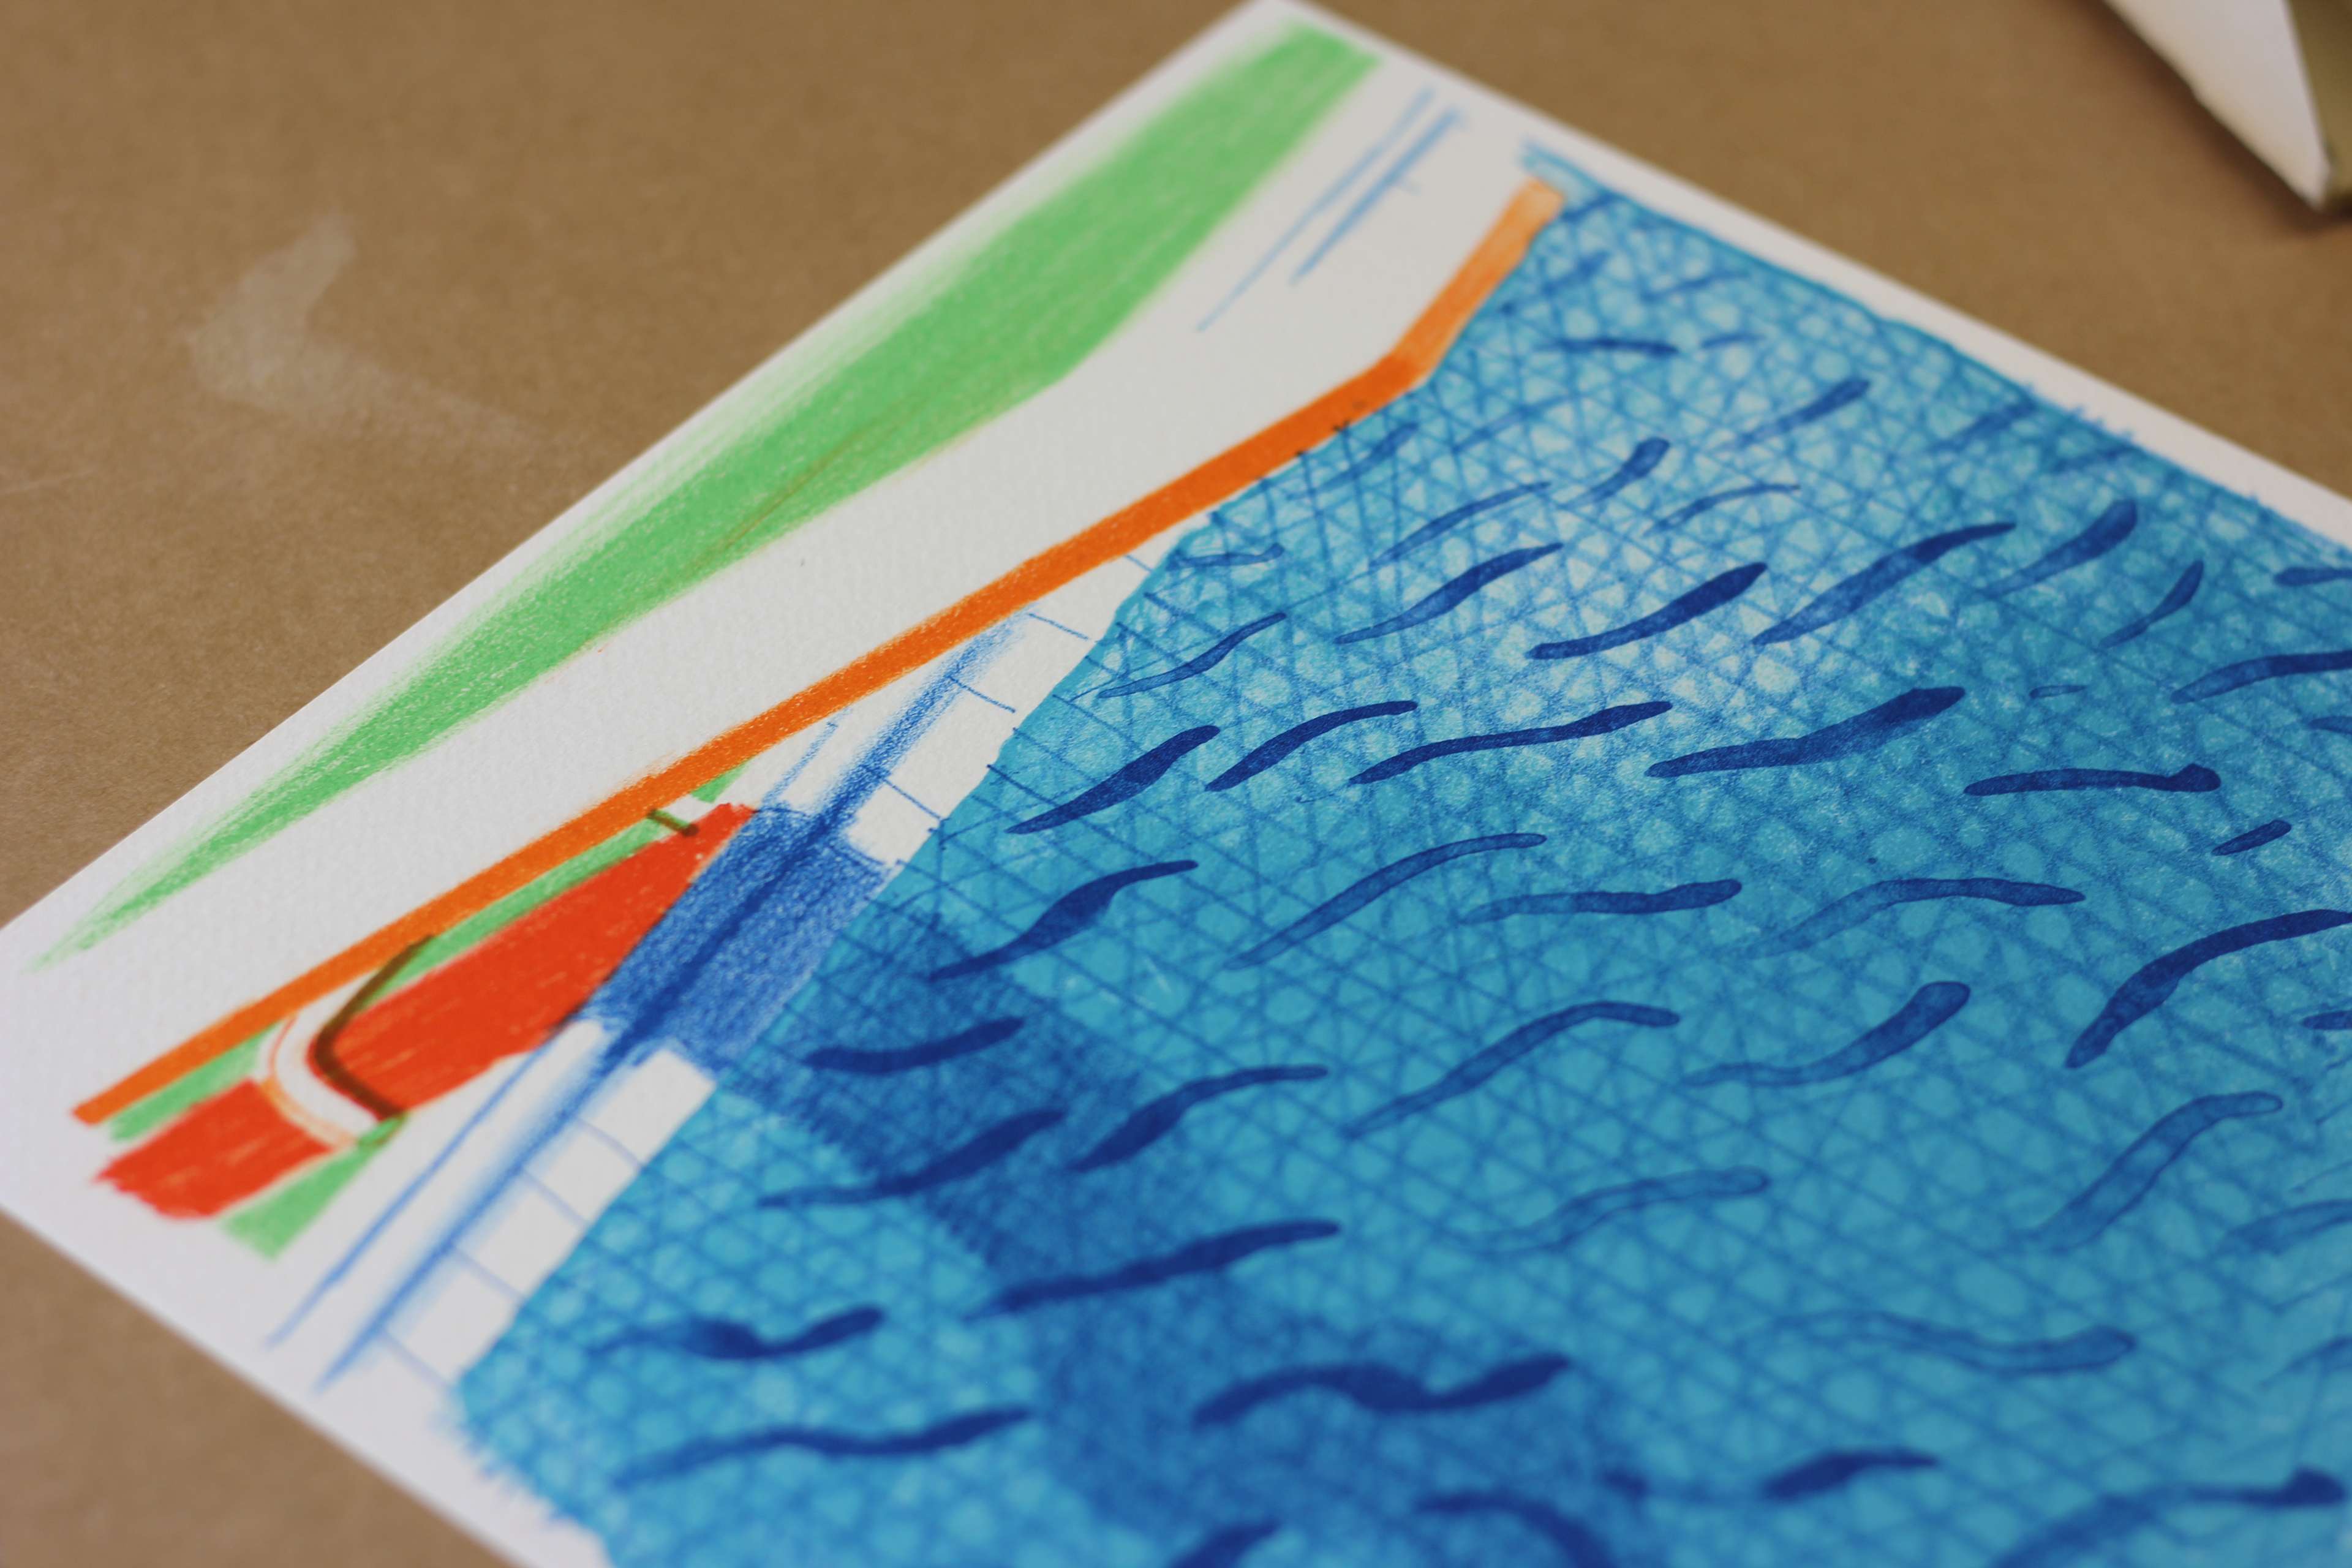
1643	1135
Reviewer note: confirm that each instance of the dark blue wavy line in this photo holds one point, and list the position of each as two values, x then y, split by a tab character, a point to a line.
2270	667
1199	664
1158	1118
2111	528
2311	576
1874	581
2085	1351
1651	347
953	1433
1211	1255
1366	889
1500	422
1226	1548
2176	599
1272	753
1865	731
1706	504
878	1064
723	1339
1578	1546
2331	723
1064	918
1125	784
1983	425
989	1147
2290	1227
1600	724
1687	285
2091	1528
1931	1006
1378	452
1711	595
1575	277
1646	455
1446	522
1185	561
1725	339
2339	1019
1382	1390
1474	1070
2269	832
1724	496
2088	1529
2156	981
1833	1471
2191	780
2327	1358
2134	1172
2095	457
1438	600
1587	1212
1844	914
1852	389
2304	1489
1601	901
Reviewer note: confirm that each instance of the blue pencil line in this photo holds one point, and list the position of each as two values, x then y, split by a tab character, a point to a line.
857	786
1370	198
383	1222
1331	193
984	696
895	787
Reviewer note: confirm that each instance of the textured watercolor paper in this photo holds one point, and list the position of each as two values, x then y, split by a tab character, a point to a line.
1353	835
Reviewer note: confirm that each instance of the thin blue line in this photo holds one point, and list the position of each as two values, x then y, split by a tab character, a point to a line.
614	1144
984	696
367	1238
488	1189
417	1364
1381	187
863	777
776	790
1315	210
551	1196
481	1270
855	788
895	787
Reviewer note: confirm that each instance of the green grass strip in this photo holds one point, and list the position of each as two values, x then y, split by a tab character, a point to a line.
183	1093
1014	314
520	903
141	1117
269	1222
711	791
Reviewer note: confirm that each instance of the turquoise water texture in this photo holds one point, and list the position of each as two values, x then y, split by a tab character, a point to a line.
1745	1114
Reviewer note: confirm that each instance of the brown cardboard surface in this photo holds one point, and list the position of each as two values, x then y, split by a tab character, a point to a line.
310	312
2322	30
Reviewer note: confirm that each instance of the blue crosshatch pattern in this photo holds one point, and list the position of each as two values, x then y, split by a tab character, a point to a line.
1217	1174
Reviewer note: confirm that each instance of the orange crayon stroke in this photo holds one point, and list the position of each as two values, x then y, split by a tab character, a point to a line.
508	995
502	998
1398	371
224	1152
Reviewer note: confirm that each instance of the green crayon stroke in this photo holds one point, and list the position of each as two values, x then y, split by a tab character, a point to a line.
269	1222
430	955
1008	319
141	1117
711	791
198	1084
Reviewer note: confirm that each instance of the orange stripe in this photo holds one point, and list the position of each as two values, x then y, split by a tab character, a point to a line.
1399	371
